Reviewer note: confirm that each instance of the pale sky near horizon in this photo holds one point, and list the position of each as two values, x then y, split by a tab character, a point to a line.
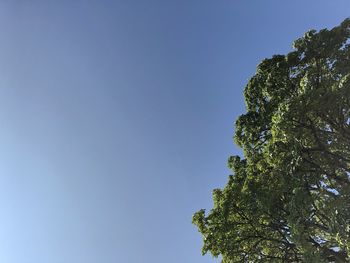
117	119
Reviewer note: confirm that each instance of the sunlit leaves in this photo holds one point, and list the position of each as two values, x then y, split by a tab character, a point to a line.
288	199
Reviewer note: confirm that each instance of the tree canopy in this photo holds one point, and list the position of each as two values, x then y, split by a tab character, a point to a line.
288	199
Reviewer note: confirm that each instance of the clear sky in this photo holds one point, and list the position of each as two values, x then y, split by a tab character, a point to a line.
117	119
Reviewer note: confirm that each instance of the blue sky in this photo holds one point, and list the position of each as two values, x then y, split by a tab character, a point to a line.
117	119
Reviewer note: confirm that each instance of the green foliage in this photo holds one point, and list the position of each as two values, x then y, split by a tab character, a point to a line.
289	198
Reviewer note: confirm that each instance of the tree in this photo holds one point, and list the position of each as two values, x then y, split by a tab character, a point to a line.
288	199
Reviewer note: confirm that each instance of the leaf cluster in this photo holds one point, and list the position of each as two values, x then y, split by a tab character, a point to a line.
288	199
